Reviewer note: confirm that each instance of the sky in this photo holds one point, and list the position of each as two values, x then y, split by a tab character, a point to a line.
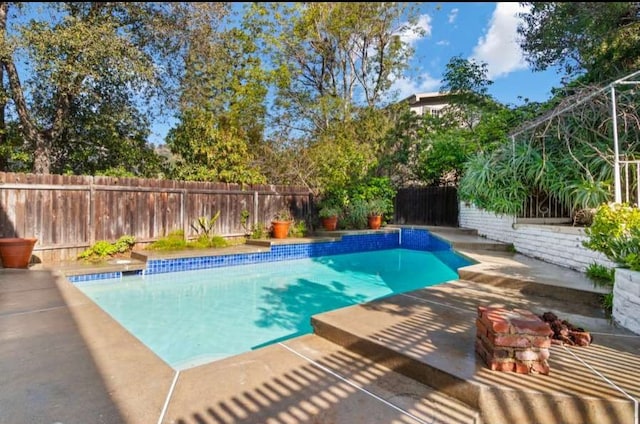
483	31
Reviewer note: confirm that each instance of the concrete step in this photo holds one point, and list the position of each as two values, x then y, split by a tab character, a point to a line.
429	335
531	276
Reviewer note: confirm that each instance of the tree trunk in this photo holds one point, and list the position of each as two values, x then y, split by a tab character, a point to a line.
42	155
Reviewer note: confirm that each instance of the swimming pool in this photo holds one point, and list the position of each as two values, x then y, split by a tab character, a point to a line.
194	317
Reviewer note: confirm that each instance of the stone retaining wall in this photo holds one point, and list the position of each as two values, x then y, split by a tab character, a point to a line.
560	245
556	244
626	299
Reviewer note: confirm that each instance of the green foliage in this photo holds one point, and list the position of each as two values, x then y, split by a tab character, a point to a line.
205	230
376	207
329	211
175	240
489	183
601	39
260	231
244	221
204	227
92	81
600	274
615	232
103	248
607	301
211	151
442	160
204	242
298	229
283	214
309	43
254	232
356	214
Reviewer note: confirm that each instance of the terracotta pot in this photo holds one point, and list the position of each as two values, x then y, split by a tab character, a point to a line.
375	222
330	223
280	229
16	252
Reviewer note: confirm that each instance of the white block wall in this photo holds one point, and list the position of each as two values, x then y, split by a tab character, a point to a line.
560	245
626	299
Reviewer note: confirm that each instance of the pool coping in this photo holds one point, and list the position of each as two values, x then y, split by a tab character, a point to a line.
142	387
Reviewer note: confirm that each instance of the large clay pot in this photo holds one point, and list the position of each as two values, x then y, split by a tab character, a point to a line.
330	223
375	221
16	252
280	229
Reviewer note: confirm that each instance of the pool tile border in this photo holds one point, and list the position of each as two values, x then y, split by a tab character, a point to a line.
409	238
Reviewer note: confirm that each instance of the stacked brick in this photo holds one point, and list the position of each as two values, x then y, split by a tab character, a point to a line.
513	340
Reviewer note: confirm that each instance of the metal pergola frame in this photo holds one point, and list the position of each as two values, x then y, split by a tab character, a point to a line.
627	80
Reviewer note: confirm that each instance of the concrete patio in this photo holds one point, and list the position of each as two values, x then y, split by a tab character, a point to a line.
403	359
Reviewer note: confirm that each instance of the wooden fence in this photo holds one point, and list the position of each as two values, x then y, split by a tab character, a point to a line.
427	206
67	214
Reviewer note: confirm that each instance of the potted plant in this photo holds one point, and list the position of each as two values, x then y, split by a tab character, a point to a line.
281	223
329	216
15	252
375	210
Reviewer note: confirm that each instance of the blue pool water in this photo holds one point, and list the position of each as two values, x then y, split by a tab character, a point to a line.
193	317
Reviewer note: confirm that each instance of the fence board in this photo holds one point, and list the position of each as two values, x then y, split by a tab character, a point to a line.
427	206
69	213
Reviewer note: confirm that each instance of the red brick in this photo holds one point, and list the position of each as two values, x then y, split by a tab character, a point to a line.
540	342
503	353
481	329
535	327
532	355
509	340
521	367
506	366
540	367
496	322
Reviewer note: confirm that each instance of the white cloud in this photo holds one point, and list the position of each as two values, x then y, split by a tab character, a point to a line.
424	83
443	43
411	37
453	15
499	48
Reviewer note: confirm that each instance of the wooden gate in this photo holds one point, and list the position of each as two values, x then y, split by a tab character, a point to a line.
427	206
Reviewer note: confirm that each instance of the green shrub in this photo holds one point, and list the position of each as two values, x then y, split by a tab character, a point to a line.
356	214
204	226
173	241
298	229
259	231
600	274
103	248
615	232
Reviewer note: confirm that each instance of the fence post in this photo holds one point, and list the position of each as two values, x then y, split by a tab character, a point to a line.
255	209
183	209
92	212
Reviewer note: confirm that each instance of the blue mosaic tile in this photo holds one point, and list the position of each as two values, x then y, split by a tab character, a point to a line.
93	277
421	239
409	238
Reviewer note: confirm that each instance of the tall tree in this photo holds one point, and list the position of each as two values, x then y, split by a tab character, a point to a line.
225	87
73	53
330	56
597	38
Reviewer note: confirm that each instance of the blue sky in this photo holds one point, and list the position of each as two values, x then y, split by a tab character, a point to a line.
483	31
